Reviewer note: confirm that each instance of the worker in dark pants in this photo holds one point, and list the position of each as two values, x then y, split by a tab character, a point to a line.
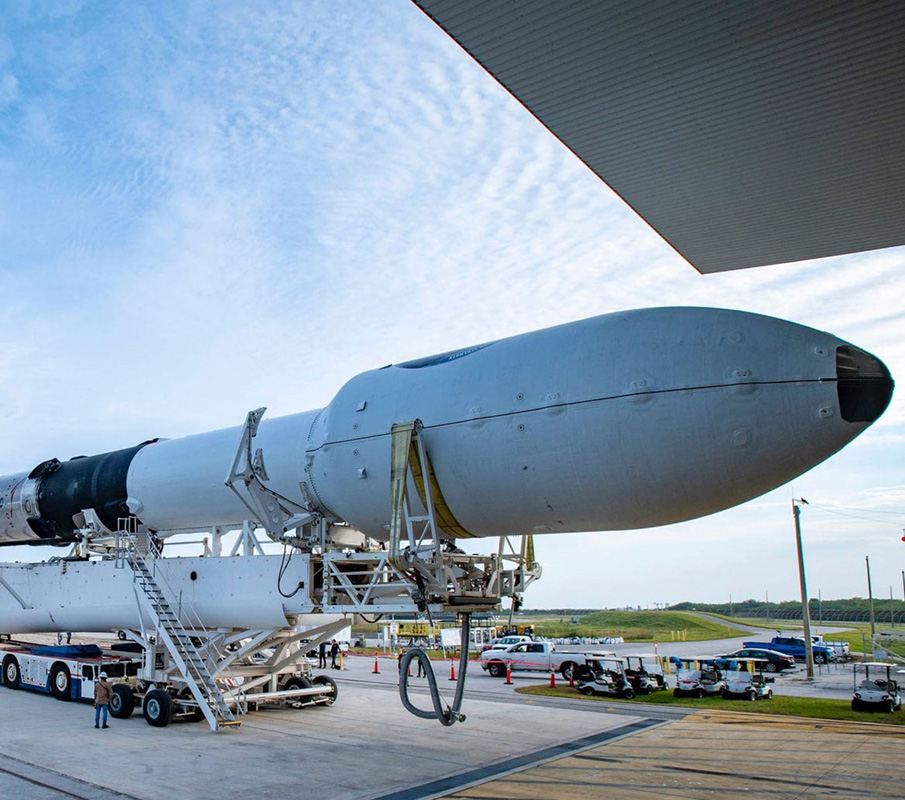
334	653
103	692
322	655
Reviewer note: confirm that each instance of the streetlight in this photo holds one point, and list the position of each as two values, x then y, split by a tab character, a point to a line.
805	612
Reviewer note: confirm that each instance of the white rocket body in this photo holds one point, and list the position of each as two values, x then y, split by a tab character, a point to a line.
629	420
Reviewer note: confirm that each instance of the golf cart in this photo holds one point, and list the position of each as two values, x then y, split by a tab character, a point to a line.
603	675
644	672
877	690
698	677
745	679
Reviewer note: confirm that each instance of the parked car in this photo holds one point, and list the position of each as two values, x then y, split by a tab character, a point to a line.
502	642
841	651
529	656
793	646
877	690
776	662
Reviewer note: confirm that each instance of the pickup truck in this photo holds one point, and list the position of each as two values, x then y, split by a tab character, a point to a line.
794	646
841	651
530	656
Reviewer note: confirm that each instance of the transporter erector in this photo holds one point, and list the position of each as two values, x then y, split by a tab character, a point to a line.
623	421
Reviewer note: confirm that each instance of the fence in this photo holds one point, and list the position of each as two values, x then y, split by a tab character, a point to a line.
881	616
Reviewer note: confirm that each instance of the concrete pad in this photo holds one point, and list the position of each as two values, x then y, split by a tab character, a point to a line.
721	755
364	746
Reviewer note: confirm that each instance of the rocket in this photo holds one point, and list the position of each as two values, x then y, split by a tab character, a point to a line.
623	421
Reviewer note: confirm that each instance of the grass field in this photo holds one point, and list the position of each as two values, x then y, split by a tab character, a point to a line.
813	707
637	626
760	622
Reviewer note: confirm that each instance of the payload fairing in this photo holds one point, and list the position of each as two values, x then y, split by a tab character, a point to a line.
628	420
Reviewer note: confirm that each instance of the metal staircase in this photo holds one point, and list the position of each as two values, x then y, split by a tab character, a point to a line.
139	553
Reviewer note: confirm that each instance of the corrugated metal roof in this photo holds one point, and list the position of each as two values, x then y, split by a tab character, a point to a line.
745	133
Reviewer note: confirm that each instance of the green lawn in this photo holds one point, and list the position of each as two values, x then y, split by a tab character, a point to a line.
638	626
786	706
760	622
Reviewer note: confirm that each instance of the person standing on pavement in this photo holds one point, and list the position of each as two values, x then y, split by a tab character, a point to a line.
103	692
322	655
334	652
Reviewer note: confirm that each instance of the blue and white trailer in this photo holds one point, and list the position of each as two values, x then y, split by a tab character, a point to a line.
68	672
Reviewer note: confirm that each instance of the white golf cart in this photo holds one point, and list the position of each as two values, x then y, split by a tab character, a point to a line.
698	677
745	679
877	690
644	672
603	674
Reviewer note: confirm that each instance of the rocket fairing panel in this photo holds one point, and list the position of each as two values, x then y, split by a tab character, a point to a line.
624	421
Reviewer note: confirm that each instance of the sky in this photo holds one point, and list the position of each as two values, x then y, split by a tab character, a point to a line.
209	207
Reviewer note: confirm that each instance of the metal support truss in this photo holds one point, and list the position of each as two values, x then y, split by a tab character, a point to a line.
274	512
422	564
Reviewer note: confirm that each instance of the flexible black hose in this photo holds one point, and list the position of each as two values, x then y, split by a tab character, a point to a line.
451	714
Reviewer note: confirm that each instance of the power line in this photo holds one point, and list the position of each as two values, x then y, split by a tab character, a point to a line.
829	510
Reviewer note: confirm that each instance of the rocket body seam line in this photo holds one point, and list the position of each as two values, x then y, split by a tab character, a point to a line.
576	403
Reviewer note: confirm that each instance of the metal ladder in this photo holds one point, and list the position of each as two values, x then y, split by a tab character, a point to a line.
173	635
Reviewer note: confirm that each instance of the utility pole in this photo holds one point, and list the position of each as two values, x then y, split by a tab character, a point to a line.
805	611
870	595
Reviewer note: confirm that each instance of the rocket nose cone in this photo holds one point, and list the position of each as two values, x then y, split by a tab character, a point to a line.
864	385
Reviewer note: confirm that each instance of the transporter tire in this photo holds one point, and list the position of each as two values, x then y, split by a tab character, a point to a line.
298	682
752	695
567	669
587	690
11	674
698	693
122	702
856	705
890	707
158	708
61	682
771	667
820	658
628	693
496	669
326	680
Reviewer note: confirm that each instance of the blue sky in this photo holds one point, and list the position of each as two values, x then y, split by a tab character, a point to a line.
208	207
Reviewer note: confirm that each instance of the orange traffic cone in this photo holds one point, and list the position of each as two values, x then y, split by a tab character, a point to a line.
509	674
571	677
552	679
452	670
376	666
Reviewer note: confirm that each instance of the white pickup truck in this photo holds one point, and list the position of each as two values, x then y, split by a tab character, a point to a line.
530	656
